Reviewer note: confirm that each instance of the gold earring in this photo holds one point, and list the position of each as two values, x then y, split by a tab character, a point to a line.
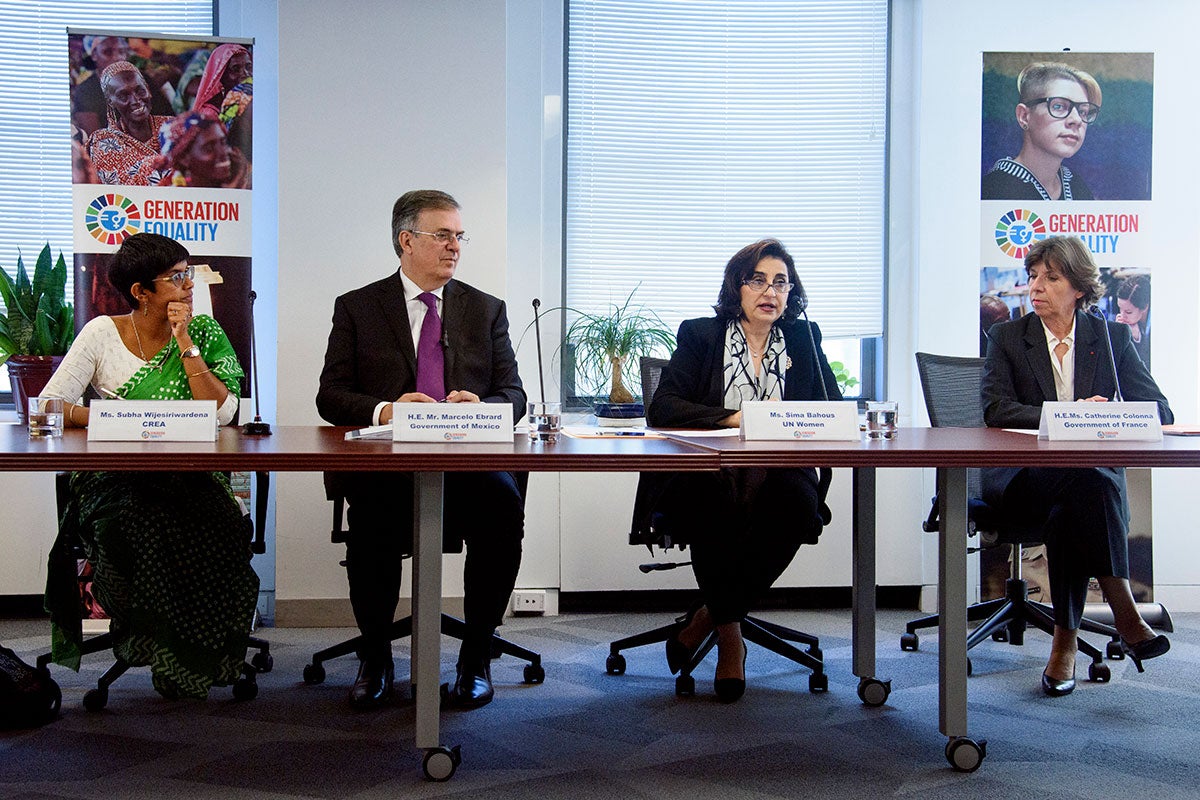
144	311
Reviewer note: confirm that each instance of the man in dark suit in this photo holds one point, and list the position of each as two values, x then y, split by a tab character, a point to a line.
421	336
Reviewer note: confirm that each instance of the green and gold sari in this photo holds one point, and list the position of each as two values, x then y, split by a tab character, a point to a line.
171	551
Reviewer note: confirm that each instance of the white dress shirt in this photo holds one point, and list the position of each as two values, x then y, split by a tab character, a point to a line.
416	317
1064	373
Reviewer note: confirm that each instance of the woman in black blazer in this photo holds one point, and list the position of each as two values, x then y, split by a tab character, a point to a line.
744	525
1061	353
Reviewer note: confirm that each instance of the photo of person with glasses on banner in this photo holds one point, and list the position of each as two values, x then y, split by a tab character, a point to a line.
1057	104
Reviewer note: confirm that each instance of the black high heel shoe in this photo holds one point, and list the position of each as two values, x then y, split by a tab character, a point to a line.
1053	687
1145	650
730	690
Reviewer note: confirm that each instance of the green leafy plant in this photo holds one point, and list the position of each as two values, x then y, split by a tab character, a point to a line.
845	380
37	320
607	346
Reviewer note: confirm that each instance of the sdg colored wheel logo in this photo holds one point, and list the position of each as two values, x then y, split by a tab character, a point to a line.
111	218
1018	230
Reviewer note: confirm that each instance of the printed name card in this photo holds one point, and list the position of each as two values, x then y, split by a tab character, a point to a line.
1079	421
452	422
152	420
797	420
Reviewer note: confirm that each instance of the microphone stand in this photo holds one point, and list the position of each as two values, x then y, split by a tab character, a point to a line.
537	335
1112	361
257	427
812	340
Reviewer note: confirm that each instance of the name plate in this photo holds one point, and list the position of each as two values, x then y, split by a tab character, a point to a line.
1079	422
816	421
152	420
452	422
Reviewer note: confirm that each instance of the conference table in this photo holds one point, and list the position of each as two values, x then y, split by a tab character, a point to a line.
952	451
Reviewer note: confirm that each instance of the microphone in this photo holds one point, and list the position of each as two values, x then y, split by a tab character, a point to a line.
537	334
812	340
1112	362
257	427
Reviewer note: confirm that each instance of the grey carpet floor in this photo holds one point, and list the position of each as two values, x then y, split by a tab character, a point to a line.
584	734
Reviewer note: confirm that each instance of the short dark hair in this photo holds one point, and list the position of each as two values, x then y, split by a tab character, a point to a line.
1135	290
1070	258
741	268
410	205
141	259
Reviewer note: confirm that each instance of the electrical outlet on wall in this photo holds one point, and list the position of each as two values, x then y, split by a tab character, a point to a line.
529	601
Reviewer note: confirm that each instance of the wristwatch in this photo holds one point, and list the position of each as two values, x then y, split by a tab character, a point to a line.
191	352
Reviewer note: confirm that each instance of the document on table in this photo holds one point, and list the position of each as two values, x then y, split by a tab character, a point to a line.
1181	430
596	432
370	432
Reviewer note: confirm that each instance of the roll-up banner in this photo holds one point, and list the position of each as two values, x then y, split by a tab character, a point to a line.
161	143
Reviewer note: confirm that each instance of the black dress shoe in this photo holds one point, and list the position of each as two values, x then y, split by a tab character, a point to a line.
1146	649
1056	688
730	690
678	654
373	686
472	686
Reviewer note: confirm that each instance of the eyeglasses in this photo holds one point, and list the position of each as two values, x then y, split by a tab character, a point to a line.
1061	108
443	237
188	273
760	284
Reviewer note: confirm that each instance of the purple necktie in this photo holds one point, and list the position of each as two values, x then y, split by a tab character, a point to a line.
431	372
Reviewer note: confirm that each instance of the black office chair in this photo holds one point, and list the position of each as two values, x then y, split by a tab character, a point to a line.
658	533
314	672
951	386
245	687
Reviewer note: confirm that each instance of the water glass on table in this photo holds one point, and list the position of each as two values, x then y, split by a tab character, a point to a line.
545	422
45	417
881	419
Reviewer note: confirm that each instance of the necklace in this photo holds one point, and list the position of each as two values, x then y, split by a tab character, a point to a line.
138	337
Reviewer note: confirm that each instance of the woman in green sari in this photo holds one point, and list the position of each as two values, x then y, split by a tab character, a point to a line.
171	550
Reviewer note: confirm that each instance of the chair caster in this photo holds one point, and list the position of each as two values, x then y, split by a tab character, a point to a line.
1099	672
965	754
534	673
970	668
909	642
263	662
1000	635
818	682
440	763
873	692
314	674
615	664
95	699
245	688
1113	651
53	699
685	686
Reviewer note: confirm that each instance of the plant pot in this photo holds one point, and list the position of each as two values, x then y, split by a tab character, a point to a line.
28	375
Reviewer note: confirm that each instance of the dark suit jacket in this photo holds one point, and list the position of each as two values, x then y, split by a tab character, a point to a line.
371	359
1018	378
691	394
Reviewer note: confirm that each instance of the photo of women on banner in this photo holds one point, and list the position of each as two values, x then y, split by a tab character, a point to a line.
1067	126
162	143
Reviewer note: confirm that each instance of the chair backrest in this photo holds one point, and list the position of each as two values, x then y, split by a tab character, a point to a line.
651	374
952	389
952	385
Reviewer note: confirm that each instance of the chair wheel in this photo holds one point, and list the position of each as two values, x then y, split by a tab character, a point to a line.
95	699
685	686
314	674
818	682
615	664
1000	635
53	699
909	641
534	673
440	763
964	754
873	692
245	689
263	662
1099	672
970	668
1113	651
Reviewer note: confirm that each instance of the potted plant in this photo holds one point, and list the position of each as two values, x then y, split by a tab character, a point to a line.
607	348
37	325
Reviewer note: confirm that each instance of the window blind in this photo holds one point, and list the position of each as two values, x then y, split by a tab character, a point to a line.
695	128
